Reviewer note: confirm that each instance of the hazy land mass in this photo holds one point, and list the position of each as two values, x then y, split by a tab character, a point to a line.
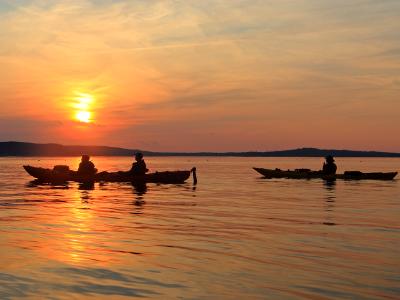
32	149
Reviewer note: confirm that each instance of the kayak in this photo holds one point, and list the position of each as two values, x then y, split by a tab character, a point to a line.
309	174
63	174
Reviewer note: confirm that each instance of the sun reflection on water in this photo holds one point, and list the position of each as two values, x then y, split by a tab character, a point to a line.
81	222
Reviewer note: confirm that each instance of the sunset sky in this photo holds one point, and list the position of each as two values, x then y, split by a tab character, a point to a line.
199	75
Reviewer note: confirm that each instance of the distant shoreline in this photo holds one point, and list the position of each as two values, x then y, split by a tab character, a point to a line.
23	149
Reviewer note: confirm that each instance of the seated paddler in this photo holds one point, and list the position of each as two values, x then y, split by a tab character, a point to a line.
329	167
138	167
86	167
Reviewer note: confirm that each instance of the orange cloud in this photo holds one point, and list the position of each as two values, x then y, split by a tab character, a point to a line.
224	75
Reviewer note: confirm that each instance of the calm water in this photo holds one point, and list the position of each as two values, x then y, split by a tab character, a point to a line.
233	236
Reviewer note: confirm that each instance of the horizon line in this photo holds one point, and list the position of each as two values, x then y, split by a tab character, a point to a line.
203	152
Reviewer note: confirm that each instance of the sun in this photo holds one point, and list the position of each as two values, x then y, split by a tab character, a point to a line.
83	116
83	104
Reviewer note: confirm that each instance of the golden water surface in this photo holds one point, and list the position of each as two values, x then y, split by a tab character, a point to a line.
234	235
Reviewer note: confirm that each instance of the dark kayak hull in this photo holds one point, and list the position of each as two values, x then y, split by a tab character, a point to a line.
49	175
349	175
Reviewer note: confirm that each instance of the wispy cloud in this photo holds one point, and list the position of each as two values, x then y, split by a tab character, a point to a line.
158	65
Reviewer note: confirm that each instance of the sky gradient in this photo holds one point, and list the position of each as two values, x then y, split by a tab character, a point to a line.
202	75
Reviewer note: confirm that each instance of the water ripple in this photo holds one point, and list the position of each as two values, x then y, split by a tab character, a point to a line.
234	235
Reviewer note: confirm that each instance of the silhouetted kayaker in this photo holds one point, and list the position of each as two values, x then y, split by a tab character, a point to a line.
329	167
86	167
139	167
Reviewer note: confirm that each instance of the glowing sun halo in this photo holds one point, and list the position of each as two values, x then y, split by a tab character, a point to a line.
82	104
